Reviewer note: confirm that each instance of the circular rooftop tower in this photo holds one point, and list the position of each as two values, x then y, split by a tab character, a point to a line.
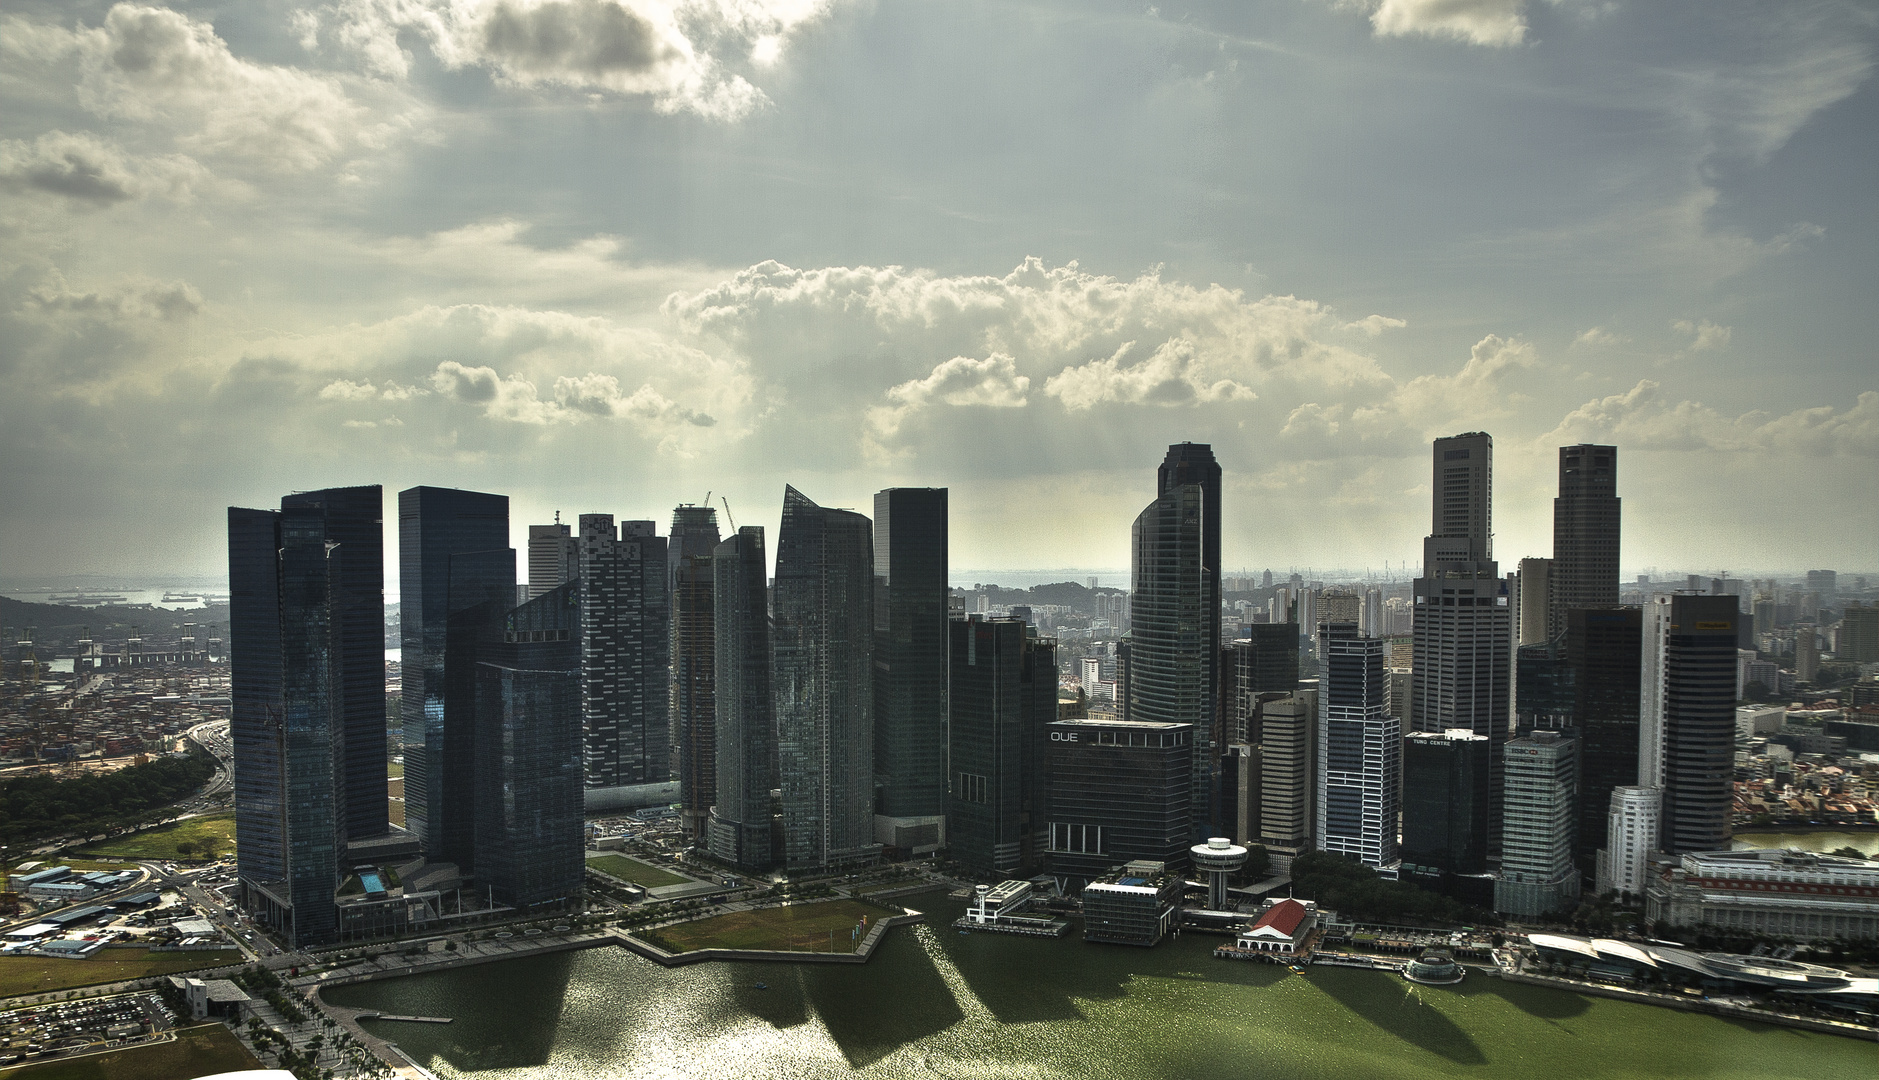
1217	858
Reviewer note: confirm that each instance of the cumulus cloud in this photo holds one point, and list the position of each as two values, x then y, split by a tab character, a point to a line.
993	382
1643	417
89	171
138	299
600	395
153	66
1704	335
675	52
1373	325
1597	338
1173	374
1477	22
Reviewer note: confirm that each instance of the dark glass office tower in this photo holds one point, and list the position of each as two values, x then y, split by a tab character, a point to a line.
1170	658
1699	723
1003	692
1117	792
1445	801
307	664
910	687
1543	687
1604	648
694	659
1360	748
625	653
436	526
1462	672
739	832
1193	464
481	595
824	686
527	772
1586	516
1263	664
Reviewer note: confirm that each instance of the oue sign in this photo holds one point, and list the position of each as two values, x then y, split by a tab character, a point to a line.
1063	736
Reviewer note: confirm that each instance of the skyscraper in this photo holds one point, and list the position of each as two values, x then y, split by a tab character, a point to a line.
1445	801
1537	873
625	653
1171	660
1193	464
1585	534
527	809
1463	627
554	557
1697	732
1003	691
306	669
453	556
1360	750
694	655
1261	664
910	685
824	683
1536	601
1284	737
1117	792
1604	647
1633	821
739	832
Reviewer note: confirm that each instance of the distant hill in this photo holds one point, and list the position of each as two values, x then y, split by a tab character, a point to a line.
19	613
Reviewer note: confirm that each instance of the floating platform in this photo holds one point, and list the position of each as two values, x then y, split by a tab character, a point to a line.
1017	924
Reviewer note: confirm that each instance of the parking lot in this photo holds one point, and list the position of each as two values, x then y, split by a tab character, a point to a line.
49	1031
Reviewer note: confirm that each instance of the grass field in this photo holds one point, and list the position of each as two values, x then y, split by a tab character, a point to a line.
37	974
633	870
198	1051
160	842
395	770
803	927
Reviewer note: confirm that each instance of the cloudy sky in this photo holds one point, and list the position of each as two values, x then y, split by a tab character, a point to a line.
610	255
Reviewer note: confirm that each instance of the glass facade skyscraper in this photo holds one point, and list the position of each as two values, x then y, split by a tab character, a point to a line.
1360	750
453	555
824	683
1604	648
527	774
740	827
1586	517
1193	464
307	668
1003	692
694	660
1171	658
1698	722
625	653
910	687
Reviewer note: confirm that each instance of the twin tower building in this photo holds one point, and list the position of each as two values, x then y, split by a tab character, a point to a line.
804	717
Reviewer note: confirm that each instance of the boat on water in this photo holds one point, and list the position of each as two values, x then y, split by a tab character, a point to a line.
763	986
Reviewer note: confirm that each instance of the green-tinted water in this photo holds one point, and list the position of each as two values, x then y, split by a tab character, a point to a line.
934	1003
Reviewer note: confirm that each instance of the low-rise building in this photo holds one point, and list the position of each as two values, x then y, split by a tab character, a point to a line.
1780	893
208	998
1282	927
1134	904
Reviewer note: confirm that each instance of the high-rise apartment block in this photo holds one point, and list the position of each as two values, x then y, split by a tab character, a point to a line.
740	830
1537	872
1359	750
1003	693
910	656
824	683
1586	518
307	680
625	653
456	574
694	654
1461	677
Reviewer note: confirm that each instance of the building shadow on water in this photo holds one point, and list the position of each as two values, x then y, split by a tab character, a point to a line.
483	999
1394	1005
1543	1002
874	1009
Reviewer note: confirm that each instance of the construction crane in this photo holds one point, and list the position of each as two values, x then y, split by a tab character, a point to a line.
727	511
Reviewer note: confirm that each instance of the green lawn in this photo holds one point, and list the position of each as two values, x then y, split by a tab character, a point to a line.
805	927
160	842
395	770
37	974
633	870
197	1051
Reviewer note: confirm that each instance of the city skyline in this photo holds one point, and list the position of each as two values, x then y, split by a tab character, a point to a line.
363	245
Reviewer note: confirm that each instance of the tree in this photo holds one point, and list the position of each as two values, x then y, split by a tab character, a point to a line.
1848	852
186	849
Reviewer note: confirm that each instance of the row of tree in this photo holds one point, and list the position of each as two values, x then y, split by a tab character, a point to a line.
36	807
1354	891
